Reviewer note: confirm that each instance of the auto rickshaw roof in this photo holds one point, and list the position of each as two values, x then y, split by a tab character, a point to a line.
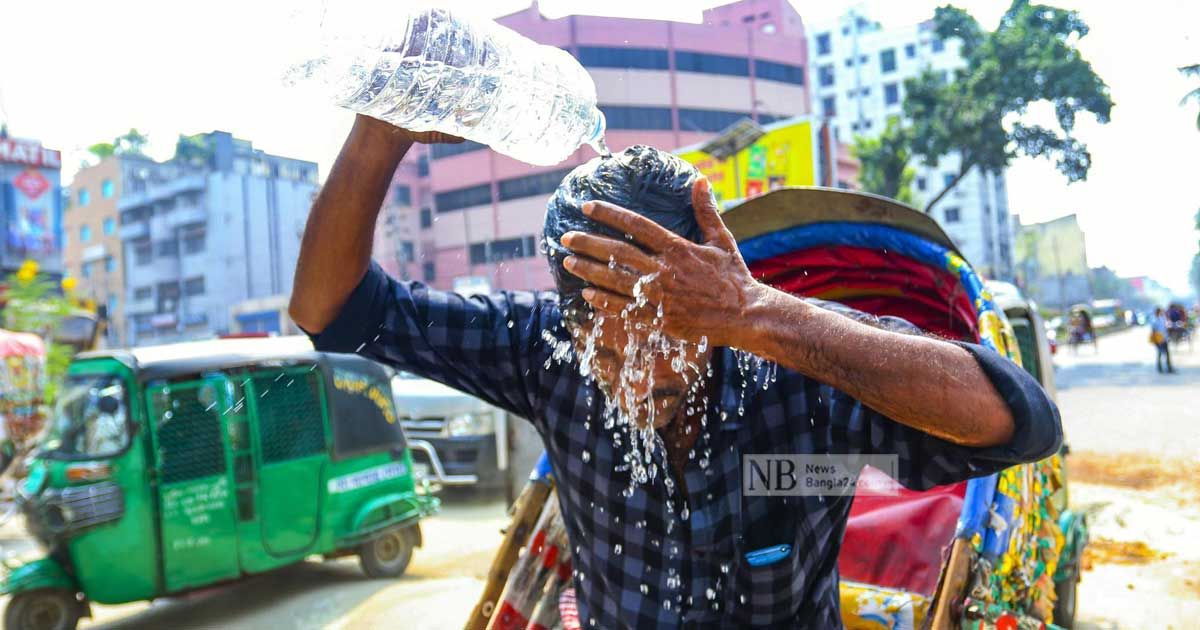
194	357
792	207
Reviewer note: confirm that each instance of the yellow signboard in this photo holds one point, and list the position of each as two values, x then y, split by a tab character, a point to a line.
785	156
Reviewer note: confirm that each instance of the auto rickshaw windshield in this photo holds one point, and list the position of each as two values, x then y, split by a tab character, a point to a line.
90	419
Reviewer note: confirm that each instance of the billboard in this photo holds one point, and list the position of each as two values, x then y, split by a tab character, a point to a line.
787	155
30	201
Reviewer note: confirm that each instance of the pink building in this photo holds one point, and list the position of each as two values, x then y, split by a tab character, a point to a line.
464	211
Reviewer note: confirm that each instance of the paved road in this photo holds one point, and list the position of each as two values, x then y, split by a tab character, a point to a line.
1113	404
1132	431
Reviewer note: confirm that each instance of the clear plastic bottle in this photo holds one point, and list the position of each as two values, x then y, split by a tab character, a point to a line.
473	78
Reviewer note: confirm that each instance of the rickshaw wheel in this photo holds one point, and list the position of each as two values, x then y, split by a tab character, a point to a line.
1064	604
388	555
43	609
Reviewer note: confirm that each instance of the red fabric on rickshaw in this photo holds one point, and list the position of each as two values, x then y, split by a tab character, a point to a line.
897	541
876	282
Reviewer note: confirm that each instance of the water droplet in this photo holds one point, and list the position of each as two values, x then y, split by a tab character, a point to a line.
709	593
587	456
645	589
510	323
617	549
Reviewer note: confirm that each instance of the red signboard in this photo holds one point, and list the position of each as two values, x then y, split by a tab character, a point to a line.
29	153
32	183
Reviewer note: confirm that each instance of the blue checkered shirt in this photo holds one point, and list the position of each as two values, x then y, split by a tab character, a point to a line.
638	564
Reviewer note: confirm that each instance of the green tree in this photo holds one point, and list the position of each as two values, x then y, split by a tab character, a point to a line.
131	142
101	150
34	304
1195	275
883	163
193	149
1031	57
1192	71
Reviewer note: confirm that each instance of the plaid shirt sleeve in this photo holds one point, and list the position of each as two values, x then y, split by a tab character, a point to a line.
485	346
926	461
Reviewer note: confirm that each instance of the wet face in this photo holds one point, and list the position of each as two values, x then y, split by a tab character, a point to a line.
627	372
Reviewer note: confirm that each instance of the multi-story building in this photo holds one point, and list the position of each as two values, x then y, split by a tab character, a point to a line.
464	215
211	236
1051	262
857	70
31	204
92	252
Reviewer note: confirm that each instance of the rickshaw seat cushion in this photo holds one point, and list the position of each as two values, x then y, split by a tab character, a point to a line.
897	541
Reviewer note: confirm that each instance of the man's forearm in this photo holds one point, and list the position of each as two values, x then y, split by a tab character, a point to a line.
336	248
925	383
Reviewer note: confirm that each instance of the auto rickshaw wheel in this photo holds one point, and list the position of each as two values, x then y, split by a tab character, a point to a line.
1064	604
388	555
43	609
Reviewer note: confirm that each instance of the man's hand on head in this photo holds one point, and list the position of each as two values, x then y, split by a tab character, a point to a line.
704	289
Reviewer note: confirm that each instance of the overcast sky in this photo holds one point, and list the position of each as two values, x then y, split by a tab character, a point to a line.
75	73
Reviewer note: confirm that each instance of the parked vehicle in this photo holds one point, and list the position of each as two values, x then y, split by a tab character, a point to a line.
457	439
999	551
171	468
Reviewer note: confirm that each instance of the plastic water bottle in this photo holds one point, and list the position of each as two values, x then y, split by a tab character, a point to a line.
443	71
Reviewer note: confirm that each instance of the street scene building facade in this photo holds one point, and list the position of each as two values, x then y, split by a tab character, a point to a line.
31	204
1051	262
857	71
464	216
203	236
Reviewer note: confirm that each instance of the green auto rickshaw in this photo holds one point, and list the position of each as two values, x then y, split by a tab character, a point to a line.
165	469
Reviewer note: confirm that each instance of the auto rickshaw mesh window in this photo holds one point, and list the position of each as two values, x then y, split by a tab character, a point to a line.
189	431
289	415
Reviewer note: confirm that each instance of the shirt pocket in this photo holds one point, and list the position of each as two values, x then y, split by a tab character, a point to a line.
767	594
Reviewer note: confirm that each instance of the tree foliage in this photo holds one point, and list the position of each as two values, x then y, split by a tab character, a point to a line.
131	142
193	149
1031	57
1192	71
34	304
883	163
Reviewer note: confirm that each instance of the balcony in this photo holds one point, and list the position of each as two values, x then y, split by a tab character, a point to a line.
134	231
94	253
185	215
158	191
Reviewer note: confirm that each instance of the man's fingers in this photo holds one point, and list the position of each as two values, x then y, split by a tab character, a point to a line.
605	300
708	214
603	248
645	232
615	279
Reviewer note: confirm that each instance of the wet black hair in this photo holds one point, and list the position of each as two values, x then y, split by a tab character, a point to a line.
650	182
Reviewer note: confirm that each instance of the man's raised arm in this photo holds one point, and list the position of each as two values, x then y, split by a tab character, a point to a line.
336	248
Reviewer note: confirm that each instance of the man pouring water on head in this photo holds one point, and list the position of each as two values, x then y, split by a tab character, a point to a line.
660	340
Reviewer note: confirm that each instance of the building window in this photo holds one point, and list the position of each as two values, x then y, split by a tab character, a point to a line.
631	117
84	197
110	264
531	185
423	165
167	248
110	226
426	218
766	119
920	183
86	270
783	72
106	189
947	179
194	239
143	252
824	44
708	119
439	151
887	60
862	60
910	50
712	64
85	233
627	58
193	286
952	215
891	94
428	272
403	195
829	106
938	45
849	62
460	198
503	249
143	293
825	76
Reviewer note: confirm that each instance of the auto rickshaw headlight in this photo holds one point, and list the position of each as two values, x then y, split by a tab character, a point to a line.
469	424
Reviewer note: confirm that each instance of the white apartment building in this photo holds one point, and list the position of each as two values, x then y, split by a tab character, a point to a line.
857	71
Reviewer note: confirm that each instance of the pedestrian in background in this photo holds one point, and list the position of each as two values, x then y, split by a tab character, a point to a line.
1158	337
